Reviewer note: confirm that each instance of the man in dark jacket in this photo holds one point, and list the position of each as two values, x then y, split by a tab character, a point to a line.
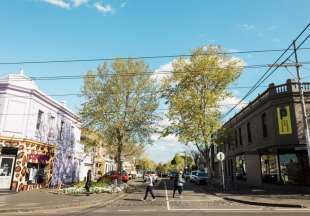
88	182
178	184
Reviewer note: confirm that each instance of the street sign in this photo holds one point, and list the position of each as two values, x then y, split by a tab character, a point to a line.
220	156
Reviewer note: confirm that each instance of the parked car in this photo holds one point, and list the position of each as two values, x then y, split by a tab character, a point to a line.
132	174
200	178
115	175
192	175
139	175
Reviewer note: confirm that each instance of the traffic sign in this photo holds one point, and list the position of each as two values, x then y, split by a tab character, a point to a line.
220	156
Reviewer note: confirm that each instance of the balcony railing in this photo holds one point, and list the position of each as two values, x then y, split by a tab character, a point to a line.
291	86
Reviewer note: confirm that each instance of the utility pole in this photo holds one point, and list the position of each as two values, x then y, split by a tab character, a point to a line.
303	104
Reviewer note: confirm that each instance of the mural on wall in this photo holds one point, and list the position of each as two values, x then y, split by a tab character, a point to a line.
66	166
34	153
60	132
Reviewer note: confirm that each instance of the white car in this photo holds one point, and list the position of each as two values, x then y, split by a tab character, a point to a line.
139	175
192	175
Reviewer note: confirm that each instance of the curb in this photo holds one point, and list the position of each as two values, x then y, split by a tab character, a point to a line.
68	206
264	204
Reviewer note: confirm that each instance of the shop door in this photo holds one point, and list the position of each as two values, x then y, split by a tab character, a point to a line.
6	171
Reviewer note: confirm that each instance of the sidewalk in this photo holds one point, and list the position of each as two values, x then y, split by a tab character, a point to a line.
289	197
46	199
292	201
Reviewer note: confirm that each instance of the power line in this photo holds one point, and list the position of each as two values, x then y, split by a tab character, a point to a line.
139	57
81	94
113	112
71	77
263	78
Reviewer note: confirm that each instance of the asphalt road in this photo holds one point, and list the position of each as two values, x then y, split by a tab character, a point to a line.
195	202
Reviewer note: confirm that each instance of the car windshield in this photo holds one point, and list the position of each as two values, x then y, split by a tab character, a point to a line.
202	174
194	173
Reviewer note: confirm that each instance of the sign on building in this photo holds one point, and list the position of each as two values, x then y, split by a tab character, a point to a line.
284	120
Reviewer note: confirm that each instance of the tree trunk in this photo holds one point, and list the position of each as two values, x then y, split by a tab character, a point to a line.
212	160
119	151
119	157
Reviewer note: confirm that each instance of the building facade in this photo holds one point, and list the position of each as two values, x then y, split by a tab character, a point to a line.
265	142
39	137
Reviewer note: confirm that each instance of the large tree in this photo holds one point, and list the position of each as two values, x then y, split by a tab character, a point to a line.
178	162
194	92
120	104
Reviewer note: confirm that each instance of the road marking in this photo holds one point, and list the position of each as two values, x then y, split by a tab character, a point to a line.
216	209
123	210
149	210
193	200
242	210
167	200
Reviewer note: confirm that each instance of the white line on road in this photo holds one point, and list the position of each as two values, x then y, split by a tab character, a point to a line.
123	210
242	210
216	209
149	210
167	200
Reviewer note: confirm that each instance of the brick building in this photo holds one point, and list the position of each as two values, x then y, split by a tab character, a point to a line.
265	142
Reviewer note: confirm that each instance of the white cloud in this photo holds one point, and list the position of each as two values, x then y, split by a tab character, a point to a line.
59	3
165	148
78	3
103	8
230	102
162	72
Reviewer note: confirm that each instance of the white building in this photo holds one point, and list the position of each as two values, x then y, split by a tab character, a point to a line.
39	137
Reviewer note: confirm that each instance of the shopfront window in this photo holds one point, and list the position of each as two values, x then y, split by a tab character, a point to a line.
269	167
240	167
291	169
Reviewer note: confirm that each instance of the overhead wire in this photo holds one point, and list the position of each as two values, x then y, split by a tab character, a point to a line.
137	58
71	77
275	66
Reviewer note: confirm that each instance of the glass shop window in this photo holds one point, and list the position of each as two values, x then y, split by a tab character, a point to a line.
269	168
291	169
240	167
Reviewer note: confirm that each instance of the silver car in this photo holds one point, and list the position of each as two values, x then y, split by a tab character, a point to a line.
200	178
192	176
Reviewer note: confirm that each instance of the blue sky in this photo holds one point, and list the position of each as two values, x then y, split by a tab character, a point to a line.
69	29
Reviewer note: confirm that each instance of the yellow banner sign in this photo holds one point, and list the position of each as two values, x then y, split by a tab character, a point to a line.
284	120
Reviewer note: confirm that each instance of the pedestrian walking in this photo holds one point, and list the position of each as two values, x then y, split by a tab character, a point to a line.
88	182
178	184
149	187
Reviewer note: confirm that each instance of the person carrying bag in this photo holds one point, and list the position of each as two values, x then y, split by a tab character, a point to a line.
178	184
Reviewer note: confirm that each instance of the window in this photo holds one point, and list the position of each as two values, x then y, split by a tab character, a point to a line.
240	136
240	167
51	123
39	120
291	169
264	125
269	167
61	131
236	138
248	127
